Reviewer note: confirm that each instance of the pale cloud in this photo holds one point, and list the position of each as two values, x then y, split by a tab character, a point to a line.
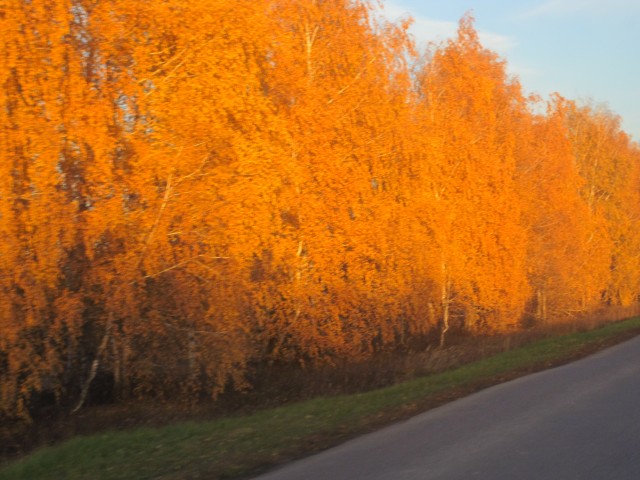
424	29
584	7
497	42
427	30
525	73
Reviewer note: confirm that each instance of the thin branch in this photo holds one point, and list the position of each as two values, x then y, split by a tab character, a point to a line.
353	82
181	264
156	222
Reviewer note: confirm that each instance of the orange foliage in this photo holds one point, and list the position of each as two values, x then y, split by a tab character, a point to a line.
559	259
609	164
473	209
191	188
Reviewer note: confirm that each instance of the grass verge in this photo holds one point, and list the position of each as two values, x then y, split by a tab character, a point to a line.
241	446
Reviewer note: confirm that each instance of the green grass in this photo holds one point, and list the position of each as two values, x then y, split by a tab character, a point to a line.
235	447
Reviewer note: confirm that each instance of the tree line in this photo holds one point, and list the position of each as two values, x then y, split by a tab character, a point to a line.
189	189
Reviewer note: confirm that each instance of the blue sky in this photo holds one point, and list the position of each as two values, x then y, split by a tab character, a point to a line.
582	49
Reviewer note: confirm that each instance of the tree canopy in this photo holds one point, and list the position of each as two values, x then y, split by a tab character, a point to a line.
190	189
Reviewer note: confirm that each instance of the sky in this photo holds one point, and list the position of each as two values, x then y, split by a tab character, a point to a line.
586	50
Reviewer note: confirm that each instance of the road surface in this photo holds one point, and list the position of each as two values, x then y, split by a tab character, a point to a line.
578	421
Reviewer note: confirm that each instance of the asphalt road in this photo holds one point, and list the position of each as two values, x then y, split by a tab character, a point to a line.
578	421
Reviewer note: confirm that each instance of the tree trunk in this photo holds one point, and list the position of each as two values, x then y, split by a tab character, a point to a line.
121	376
95	364
541	306
446	301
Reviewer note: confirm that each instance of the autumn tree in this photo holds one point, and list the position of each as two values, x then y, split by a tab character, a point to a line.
472	207
201	184
559	227
608	163
116	196
58	141
339	82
